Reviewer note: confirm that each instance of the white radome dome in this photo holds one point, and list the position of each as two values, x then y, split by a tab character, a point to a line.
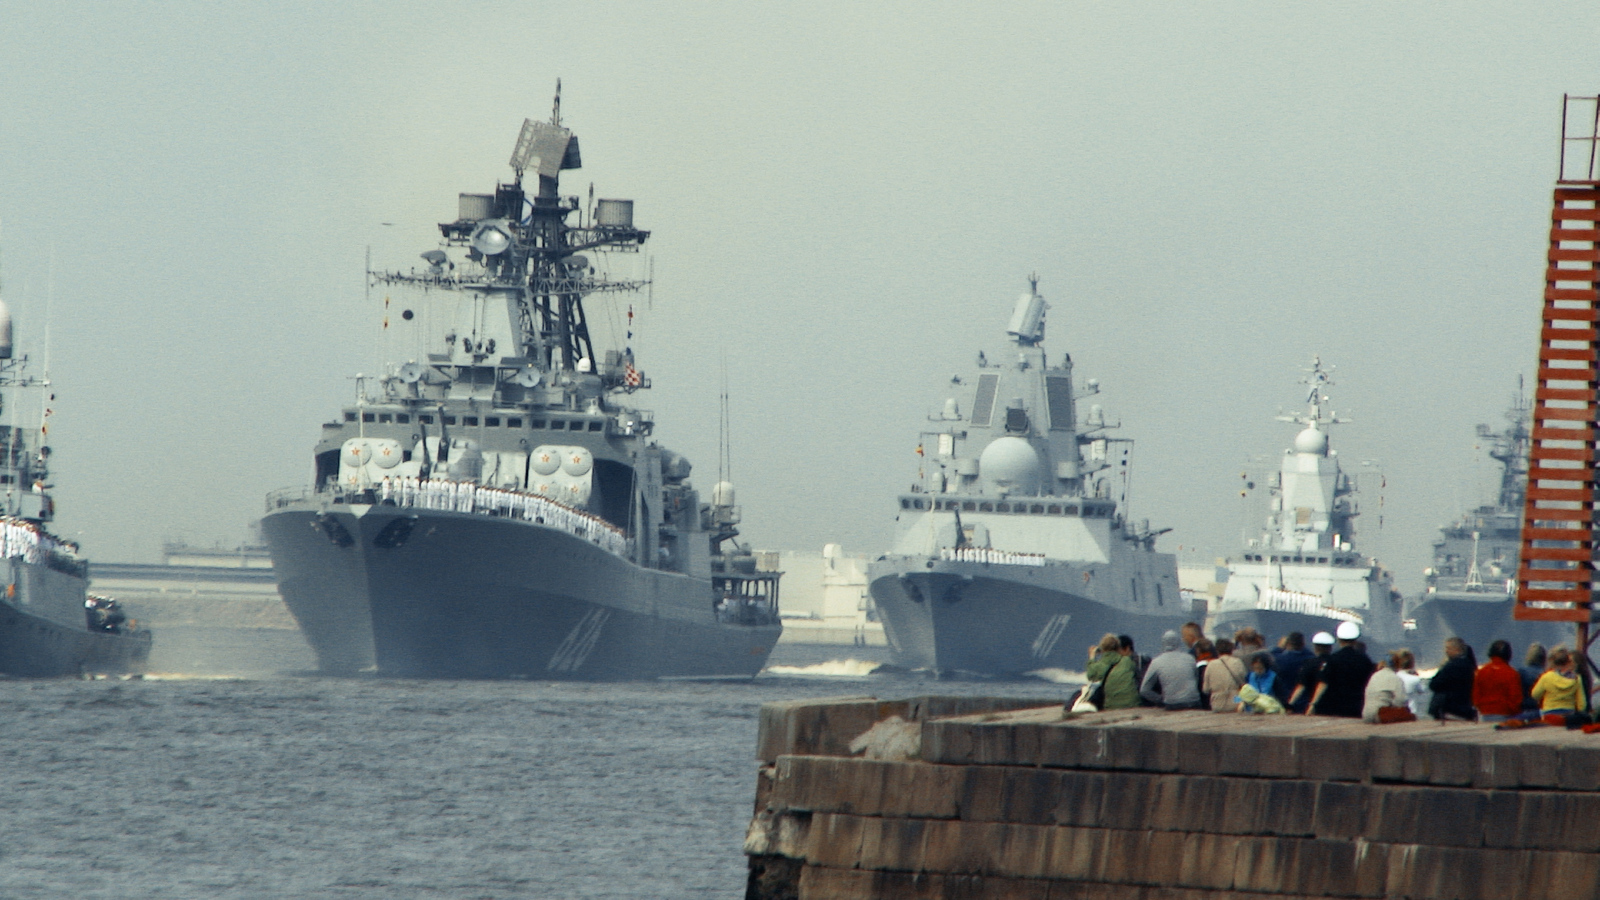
1312	440
1010	463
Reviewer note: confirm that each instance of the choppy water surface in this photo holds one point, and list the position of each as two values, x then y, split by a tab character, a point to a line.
306	786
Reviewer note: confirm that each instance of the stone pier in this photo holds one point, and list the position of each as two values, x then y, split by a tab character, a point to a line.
971	798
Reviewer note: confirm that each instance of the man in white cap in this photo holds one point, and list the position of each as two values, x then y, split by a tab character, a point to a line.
1310	673
1342	685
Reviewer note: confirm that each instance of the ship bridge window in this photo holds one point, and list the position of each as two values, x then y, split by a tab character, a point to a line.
1036	509
1002	507
535	423
986	507
470	420
904	503
385	417
920	504
368	417
557	424
349	417
596	425
1053	510
403	418
425	419
449	420
513	423
969	506
492	422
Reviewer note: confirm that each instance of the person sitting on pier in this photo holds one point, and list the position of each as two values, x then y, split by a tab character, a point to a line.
1310	673
1171	682
1342	683
1560	690
1497	688
1247	642
1452	685
1141	663
1108	664
1223	678
1287	659
1387	690
1262	679
1532	668
1192	636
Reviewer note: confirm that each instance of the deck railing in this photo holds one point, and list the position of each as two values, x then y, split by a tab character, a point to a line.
470	497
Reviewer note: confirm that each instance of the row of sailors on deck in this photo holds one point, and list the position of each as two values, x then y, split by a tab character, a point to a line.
25	541
469	497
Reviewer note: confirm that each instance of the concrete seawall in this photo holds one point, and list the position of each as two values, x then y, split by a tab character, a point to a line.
983	799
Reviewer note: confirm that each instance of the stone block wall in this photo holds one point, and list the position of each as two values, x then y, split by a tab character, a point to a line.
1152	805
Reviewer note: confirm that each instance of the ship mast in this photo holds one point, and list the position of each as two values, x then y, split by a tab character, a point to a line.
527	251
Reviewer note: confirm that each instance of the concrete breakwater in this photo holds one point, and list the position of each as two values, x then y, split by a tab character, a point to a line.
1007	802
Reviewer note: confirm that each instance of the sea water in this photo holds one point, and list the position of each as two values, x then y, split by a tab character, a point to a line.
193	785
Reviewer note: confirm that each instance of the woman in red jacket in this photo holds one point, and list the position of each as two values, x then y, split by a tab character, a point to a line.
1497	690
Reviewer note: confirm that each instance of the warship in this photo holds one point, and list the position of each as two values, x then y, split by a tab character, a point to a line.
496	508
49	624
1304	572
1012	551
1470	588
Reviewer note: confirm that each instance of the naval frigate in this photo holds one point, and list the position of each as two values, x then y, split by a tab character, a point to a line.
1304	573
496	508
1012	550
49	623
1470	587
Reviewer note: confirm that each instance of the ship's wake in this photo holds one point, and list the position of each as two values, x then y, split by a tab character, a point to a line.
1058	676
833	668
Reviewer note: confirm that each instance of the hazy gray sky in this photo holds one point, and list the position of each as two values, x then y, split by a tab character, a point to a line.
846	198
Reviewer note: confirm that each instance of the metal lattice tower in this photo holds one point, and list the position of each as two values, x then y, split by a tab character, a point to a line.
1556	575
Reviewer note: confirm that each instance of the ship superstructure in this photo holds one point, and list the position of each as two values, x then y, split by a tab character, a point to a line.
1470	587
1304	572
1012	549
49	624
497	508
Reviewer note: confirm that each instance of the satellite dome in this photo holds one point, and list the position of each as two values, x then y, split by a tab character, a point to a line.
1312	440
356	452
545	460
576	461
1011	464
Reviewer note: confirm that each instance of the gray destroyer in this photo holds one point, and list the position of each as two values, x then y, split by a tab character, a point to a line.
495	509
1012	553
1470	588
49	623
1304	572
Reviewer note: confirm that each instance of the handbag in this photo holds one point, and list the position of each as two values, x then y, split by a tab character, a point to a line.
1391	714
1090	697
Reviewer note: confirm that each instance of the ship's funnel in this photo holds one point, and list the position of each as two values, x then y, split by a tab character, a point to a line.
1027	321
5	330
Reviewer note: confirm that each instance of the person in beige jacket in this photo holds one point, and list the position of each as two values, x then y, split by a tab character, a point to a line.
1223	678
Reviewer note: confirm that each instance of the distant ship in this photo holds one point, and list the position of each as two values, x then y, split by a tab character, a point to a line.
494	509
49	623
1012	552
1304	573
1470	587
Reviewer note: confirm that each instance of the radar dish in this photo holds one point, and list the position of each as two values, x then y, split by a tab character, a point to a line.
526	377
492	237
411	372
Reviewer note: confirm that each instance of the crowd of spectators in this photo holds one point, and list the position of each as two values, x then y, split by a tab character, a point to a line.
1336	677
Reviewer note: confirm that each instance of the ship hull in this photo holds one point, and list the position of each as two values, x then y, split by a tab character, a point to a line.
1002	620
35	645
1479	621
465	595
